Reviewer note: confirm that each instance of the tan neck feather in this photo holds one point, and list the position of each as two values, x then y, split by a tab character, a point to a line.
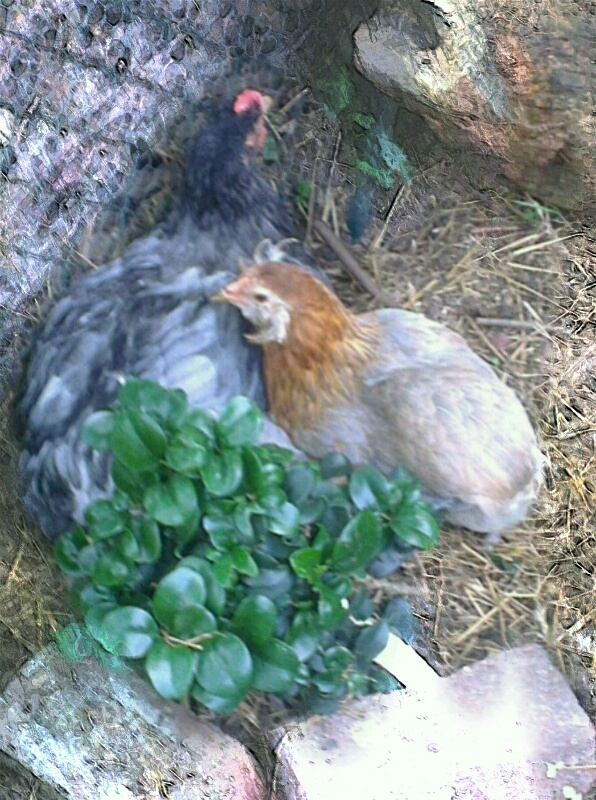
317	366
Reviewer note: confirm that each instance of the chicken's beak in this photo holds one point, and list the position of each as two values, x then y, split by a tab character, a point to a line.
231	294
221	297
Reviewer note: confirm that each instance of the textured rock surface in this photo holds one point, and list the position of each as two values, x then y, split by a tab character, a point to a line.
87	91
508	728
95	735
516	83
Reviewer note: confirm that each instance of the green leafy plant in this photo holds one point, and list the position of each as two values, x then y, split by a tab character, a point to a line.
302	193
227	567
535	213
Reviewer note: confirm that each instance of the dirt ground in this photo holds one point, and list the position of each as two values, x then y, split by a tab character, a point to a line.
518	281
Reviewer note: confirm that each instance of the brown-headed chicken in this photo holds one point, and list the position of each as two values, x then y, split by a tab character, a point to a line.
391	388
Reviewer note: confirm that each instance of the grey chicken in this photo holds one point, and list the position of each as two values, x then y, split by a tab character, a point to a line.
148	315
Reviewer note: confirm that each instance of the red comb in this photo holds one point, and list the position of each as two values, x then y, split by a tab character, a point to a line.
249	100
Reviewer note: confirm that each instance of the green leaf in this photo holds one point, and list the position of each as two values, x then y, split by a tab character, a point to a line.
219	705
405	483
372	641
187	532
335	519
380	682
337	659
322	541
272	549
120	501
335	465
341	585
216	596
146	532
94	617
272	583
331	683
399	616
179	589
97	430
223	570
243	562
166	404
359	542
416	525
276	667
128	631
186	458
66	554
112	570
312	510
222	473
270	150
225	666
303	635
149	431
171	669
86	596
200	428
361	606
368	488
331	611
302	191
306	564
300	481
285	521
103	520
273	463
127	546
255	478
272	499
128	447
132	484
240	423
173	503
321	704
255	620
243	522
218	523
89	556
193	621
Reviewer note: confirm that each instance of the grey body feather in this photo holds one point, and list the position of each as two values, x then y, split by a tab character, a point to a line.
147	314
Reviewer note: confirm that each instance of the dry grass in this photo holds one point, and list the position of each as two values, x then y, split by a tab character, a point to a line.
522	290
33	599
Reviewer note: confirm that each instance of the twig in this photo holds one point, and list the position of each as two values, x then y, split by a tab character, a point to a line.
291	103
84	259
388	217
330	178
496	322
478	625
516	243
517	265
311	200
542	245
348	260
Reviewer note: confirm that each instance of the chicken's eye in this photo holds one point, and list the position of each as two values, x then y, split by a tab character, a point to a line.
260	295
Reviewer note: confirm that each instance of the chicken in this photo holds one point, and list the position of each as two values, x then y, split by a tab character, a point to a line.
148	315
391	388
